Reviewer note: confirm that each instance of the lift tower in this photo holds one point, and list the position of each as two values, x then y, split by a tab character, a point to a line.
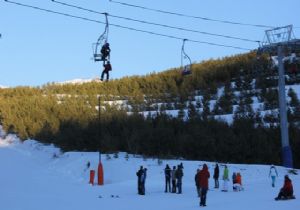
280	42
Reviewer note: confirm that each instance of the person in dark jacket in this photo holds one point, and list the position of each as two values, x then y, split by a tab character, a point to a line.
106	70
179	175
173	177
216	175
105	51
233	180
286	192
203	180
197	183
140	174
167	178
143	179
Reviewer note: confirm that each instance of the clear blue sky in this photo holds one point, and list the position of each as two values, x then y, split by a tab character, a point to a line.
38	47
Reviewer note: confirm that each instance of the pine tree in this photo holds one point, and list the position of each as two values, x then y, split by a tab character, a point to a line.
192	112
294	99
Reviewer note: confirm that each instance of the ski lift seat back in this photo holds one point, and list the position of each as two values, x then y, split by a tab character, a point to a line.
101	42
187	69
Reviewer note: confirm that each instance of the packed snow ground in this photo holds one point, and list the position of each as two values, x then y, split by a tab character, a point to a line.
38	177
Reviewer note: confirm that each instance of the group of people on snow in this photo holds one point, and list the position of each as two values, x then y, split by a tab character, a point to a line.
173	181
142	175
202	176
174	177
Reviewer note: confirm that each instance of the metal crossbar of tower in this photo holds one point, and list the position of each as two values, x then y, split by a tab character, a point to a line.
280	42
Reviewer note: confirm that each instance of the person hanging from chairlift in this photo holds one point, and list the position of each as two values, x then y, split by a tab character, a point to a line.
105	52
107	68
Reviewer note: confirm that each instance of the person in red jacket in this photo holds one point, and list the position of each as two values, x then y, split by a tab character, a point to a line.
286	192
203	182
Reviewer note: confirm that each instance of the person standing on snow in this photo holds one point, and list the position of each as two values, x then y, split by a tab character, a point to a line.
179	175
216	175
273	174
233	180
173	177
225	179
140	174
197	182
143	178
167	178
203	181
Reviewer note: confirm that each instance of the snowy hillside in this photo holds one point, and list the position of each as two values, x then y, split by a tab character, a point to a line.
1	86
38	177
78	81
258	107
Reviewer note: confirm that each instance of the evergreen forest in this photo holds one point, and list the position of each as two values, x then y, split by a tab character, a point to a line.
131	114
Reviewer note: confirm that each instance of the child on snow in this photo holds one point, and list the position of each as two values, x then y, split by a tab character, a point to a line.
273	174
237	186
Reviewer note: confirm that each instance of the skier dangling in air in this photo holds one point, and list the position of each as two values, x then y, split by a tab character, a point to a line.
107	68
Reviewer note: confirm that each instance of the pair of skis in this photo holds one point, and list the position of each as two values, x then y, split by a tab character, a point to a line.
111	196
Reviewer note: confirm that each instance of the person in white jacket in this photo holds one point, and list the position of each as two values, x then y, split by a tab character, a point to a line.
273	174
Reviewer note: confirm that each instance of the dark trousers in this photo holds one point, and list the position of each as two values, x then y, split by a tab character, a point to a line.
168	185
179	185
107	75
173	185
216	183
203	196
141	188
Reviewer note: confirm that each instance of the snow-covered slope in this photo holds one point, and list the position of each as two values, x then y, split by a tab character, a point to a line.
78	81
1	86
38	177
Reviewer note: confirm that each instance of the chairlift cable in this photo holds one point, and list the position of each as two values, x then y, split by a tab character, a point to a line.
78	7
156	24
125	27
52	11
191	16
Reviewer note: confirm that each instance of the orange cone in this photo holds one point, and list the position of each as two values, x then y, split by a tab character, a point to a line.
92	176
100	174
